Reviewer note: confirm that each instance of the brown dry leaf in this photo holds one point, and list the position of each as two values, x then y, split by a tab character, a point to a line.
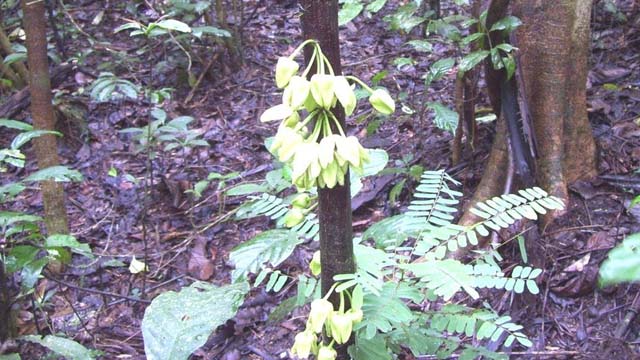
200	266
600	241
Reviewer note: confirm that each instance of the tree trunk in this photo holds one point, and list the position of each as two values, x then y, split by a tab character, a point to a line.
580	147
554	42
42	113
320	22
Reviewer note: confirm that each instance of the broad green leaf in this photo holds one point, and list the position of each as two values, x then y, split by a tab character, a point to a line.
198	31
471	38
15	57
67	348
348	12
175	25
62	240
471	60
421	45
246	189
55	173
370	349
445	118
623	263
129	25
271	246
507	24
24	137
178	323
375	5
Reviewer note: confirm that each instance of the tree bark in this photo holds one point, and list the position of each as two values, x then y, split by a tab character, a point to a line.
42	112
580	148
320	22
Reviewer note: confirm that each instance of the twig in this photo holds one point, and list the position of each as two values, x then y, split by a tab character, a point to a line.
95	291
202	74
631	313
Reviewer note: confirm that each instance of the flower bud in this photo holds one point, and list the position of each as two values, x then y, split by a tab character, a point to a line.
303	344
322	90
341	326
285	69
320	310
327	148
345	94
326	353
382	102
314	265
349	149
355	315
296	92
329	175
301	201
294	217
292	120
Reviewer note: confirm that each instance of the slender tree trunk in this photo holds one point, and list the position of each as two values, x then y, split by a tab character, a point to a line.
5	305
320	22
42	112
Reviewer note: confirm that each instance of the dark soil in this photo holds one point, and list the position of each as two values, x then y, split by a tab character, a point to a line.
190	239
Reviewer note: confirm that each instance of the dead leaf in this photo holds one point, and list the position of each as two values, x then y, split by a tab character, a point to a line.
200	266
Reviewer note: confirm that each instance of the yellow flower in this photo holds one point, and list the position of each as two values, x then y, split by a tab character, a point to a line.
320	310
285	69
382	102
303	344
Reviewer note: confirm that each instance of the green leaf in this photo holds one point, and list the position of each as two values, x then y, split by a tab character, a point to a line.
348	12
421	45
67	348
471	38
623	263
15	57
246	189
445	118
271	246
507	24
178	323
370	349
13	356
62	240
198	31
471	60
175	25
14	124
127	26
24	137
56	173
375	6
439	69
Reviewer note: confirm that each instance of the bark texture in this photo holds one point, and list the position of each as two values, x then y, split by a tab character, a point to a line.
554	42
320	22
42	113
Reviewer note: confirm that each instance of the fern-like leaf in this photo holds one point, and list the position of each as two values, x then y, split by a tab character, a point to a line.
445	277
269	247
276	208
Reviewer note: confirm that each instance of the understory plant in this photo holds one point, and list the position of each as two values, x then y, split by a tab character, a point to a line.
406	293
25	251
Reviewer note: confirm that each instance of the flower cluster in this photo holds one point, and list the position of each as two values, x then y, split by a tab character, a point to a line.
338	324
323	156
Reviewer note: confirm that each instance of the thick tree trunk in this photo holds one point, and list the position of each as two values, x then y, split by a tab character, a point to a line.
545	49
320	22
42	113
580	148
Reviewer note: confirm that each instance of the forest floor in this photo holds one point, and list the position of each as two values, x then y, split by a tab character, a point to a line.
190	239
